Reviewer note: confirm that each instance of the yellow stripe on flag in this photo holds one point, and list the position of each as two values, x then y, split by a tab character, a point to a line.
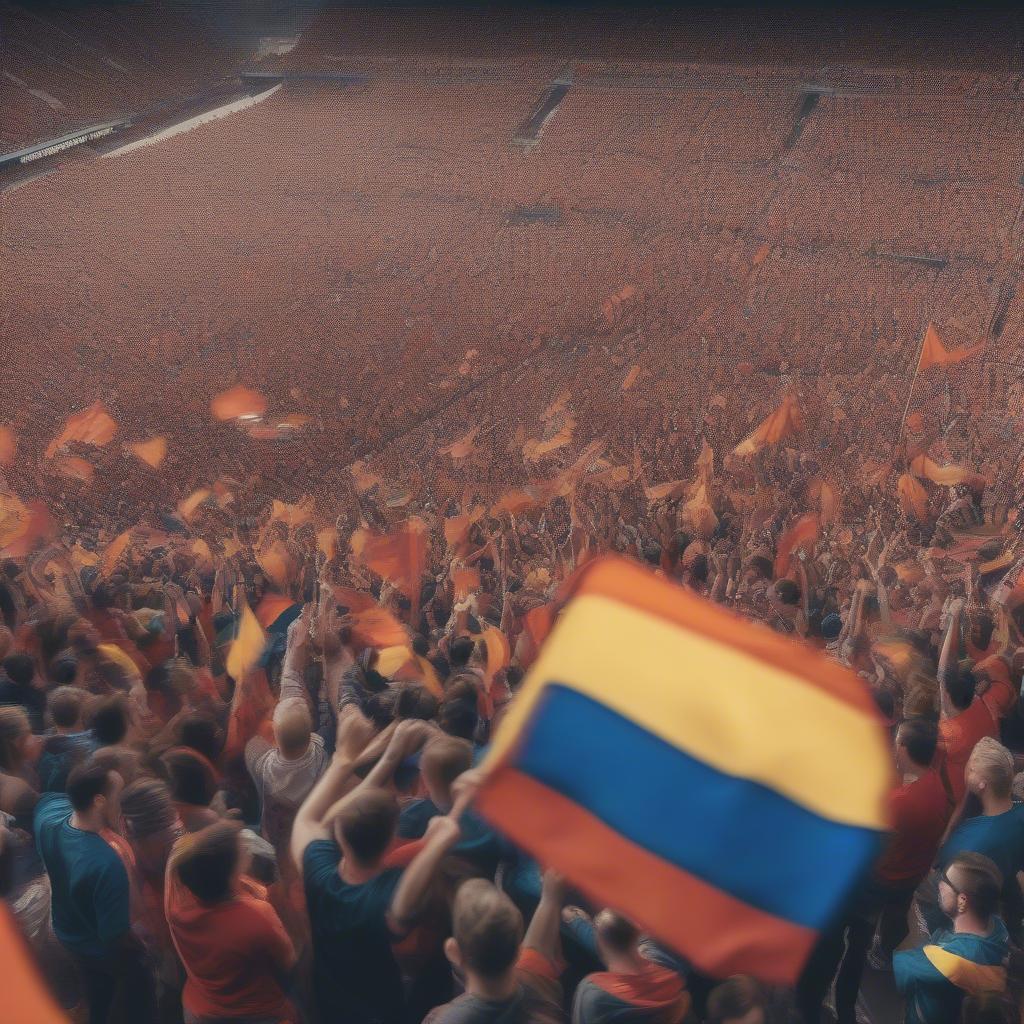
741	715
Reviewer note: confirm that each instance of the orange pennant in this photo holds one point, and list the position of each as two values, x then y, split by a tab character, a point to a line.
327	542
534	450
238	402
75	468
785	421
761	255
8	446
377	627
517	501
90	426
557	406
114	550
398	557
292	515
39	528
933	352
364	480
802	534
187	506
631	378
611	308
913	497
463	447
499	653
151	452
465	581
944	476
456	528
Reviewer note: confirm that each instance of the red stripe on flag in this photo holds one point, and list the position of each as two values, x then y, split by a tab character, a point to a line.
718	933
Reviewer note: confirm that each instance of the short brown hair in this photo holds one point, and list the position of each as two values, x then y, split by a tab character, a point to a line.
980	881
207	860
446	758
65	705
734	998
367	823
487	927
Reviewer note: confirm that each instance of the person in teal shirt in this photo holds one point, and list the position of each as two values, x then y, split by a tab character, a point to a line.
970	958
90	891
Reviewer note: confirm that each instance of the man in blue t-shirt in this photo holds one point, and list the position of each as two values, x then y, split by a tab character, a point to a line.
90	891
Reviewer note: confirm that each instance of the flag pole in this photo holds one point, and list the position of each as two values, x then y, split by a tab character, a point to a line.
913	382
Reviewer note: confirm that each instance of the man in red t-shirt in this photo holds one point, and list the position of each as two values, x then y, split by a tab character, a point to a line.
235	951
919	810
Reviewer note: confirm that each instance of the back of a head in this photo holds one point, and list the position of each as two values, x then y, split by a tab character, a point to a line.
63	671
293	725
109	720
735	1000
979	880
460	650
920	738
415	701
445	759
367	824
960	685
459	718
617	934
87	781
994	763
207	861
65	705
487	928
189	778
19	668
14	725
200	731
147	808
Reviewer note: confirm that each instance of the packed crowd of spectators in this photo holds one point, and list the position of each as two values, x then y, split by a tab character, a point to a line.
299	844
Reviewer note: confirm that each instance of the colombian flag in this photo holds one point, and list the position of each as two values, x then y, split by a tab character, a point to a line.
718	783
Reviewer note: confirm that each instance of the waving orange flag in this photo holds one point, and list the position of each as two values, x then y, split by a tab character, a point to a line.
8	446
944	476
377	627
14	518
785	421
933	352
913	497
398	557
465	582
802	534
90	426
151	452
238	402
75	468
463	447
40	527
292	515
456	528
187	506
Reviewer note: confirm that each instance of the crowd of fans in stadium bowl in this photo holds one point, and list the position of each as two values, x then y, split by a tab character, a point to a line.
170	856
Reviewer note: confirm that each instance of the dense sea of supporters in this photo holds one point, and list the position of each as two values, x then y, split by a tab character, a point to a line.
296	841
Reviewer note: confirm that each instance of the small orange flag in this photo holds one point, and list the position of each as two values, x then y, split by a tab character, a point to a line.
376	627
557	405
534	450
8	446
700	513
517	501
90	426
14	518
499	653
631	378
327	542
659	492
761	255
292	515
913	497
187	506
114	550
456	528
398	557
944	476
933	352
802	534
40	527
465	581
237	403
785	421
27	1000
247	648
463	447
364	480
278	564
75	468
151	452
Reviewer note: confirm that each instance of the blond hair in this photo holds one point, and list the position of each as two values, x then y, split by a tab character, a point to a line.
995	762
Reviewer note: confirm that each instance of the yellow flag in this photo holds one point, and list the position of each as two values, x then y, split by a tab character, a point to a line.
247	647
